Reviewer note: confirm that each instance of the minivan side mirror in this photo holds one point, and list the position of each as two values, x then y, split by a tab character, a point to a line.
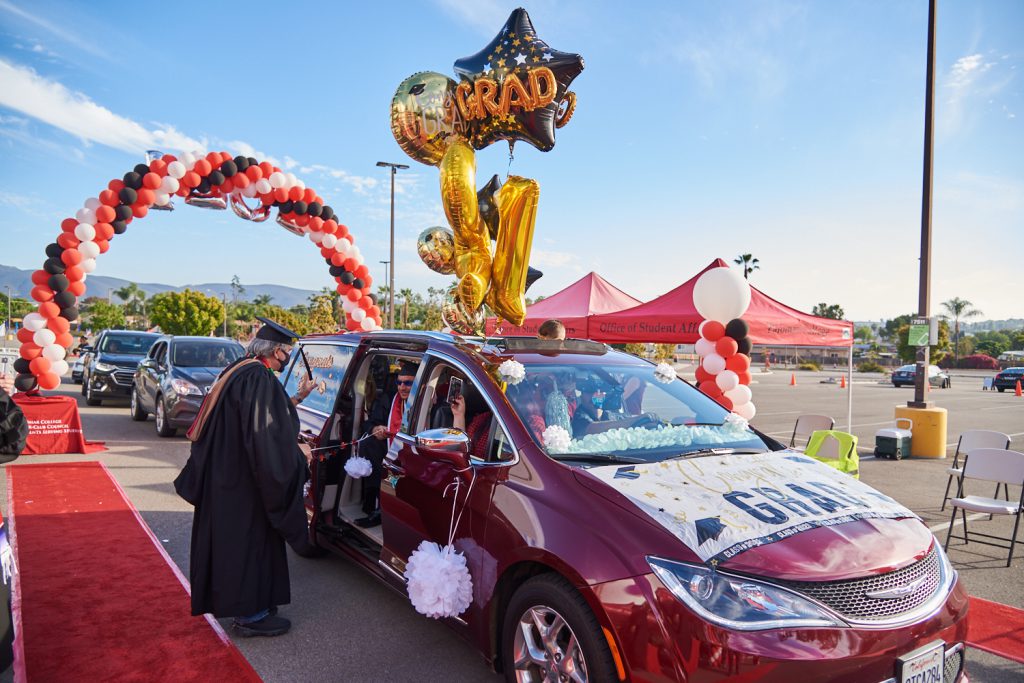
445	445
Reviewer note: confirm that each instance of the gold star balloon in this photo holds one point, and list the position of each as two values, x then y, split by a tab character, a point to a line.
516	88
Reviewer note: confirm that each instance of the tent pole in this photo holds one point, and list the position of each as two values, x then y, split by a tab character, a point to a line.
849	394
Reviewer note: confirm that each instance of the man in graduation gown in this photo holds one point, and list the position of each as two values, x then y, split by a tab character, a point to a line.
245	477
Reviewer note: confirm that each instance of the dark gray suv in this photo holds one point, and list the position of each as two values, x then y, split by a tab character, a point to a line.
112	364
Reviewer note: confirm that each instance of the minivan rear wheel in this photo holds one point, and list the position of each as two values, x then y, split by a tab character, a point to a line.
550	634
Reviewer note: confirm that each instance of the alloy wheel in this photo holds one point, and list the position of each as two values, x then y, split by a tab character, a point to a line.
546	649
159	416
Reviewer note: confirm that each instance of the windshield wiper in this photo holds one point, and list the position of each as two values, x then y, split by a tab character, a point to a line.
598	457
703	452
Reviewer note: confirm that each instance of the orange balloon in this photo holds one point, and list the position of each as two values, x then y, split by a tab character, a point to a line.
77	288
49	381
146	196
240	181
267	168
191	179
74	273
295	194
338	259
316	224
151	180
67	240
214	158
725	346
227	186
203	167
40	277
159	166
65	339
116	185
104	231
308	195
139	210
39	365
58	325
281	194
105	214
330	226
49	310
745	377
109	198
740	362
104	245
29	350
41	293
254	173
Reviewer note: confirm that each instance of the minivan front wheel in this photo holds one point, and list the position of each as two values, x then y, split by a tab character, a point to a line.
162	428
550	634
137	413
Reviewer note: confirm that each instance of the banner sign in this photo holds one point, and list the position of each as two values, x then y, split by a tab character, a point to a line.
720	506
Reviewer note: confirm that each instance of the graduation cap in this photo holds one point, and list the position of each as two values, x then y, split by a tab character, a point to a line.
275	332
709	527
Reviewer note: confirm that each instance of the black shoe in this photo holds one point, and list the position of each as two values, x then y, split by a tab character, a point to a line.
371	520
267	626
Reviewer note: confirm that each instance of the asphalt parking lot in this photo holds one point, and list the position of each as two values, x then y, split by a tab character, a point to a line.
349	627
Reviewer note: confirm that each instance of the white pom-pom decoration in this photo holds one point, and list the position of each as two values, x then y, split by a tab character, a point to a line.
556	439
664	373
85	232
439	582
358	467
512	371
737	421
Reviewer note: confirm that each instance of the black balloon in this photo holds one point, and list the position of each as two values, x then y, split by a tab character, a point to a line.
122	212
54	266
286	207
373	298
141	169
216	178
314	209
228	168
204	186
253	161
532	275
119	227
357	283
70	313
300	208
327	213
744	345
347	278
128	196
21	365
487	199
58	283
24	382
241	163
132	180
64	299
54	249
336	271
737	329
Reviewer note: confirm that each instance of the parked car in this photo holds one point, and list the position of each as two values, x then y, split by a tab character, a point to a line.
78	367
652	537
905	375
110	368
1008	378
176	374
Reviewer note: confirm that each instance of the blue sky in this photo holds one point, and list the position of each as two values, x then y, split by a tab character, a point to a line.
790	130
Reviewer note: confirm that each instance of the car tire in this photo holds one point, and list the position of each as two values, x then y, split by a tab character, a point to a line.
85	381
162	428
550	599
136	411
90	397
1001	389
898	455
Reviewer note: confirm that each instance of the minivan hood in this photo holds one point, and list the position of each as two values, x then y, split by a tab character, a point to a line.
780	514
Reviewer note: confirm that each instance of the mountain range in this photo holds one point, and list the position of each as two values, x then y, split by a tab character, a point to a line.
20	282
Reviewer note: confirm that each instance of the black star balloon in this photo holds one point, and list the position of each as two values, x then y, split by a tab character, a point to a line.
516	88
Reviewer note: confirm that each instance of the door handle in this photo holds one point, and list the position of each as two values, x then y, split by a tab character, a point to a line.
393	467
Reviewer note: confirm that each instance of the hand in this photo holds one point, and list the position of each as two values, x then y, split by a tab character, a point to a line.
305	387
380	432
459	407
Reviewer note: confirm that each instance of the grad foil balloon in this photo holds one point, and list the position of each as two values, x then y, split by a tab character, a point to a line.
460	318
514	88
518	201
205	200
436	248
472	243
487	200
424	118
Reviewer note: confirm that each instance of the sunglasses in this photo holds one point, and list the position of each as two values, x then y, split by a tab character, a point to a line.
404	382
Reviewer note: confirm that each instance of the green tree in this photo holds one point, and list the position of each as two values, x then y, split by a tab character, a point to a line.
890	331
664	352
833	311
187	312
263	300
937	351
321	316
19	307
99	314
636	349
407	296
992	343
237	290
1017	340
965	347
134	305
957	308
864	333
749	263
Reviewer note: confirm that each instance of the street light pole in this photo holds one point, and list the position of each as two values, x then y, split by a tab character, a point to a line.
7	328
224	299
391	281
386	271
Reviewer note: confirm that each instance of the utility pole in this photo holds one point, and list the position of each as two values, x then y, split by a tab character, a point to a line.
224	299
7	329
391	281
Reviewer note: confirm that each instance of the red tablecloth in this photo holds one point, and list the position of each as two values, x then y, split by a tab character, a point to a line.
54	425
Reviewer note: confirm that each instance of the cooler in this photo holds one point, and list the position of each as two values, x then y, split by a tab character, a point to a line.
894	442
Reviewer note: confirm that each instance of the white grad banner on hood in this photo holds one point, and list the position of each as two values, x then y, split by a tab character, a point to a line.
720	506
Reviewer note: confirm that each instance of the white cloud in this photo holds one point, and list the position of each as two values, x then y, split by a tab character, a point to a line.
68	37
483	15
540	258
359	184
965	72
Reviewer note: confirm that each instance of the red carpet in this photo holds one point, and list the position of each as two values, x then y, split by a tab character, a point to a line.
997	628
97	598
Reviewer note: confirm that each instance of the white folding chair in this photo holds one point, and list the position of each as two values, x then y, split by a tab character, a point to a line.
807	425
1001	466
969	441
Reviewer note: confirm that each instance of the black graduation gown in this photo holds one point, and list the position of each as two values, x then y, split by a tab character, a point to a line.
375	450
245	476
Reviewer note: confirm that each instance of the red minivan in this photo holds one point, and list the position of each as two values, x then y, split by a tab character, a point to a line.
618	525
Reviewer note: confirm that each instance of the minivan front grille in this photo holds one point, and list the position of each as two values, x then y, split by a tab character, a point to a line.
850	598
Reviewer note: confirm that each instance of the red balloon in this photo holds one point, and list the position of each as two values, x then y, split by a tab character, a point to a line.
40	277
354	295
159	166
77	288
146	197
725	402
361	270
330	227
39	365
49	309
139	210
25	335
308	195
338	259
214	159
58	325
240	181
227	186
739	362
745	377
191	179
167	158
341	288
104	231
49	381
343	232
105	214
350	264
316	224
295	193
41	293
267	168
115	185
268	198
367	280
254	173
726	347
365	302
109	198
301	221
203	167
104	245
703	375
713	330
281	194
68	225
710	388
374	312
74	273
151	180
67	240
65	339
352	326
29	350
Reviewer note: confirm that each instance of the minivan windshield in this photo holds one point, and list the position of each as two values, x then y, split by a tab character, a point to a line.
204	354
128	344
622	411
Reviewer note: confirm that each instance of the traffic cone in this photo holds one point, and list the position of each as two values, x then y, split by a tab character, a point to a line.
842	382
1016	391
792	380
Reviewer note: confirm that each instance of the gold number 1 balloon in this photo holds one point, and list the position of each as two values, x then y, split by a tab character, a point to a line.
472	243
517	207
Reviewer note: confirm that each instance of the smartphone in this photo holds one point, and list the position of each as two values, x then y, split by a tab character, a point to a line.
454	389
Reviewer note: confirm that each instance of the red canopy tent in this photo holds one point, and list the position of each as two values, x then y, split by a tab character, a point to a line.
673	319
574	306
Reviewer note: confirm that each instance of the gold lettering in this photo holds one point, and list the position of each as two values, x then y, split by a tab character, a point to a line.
465	100
486	92
543	86
514	94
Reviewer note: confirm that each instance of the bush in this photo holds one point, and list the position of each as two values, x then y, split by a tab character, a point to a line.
979	361
870	366
808	365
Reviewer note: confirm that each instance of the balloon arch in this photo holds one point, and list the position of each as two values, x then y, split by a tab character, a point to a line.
214	180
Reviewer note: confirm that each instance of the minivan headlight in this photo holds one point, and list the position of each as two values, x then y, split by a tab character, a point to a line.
737	602
185	388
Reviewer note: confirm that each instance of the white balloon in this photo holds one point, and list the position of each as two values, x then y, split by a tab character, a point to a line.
161	199
703	347
299	184
713	363
84	276
86	216
277	179
358	315
170	185
59	366
368	324
249	190
44	337
85	232
356	254
89	249
348	305
343	246
746	411
263	186
329	241
33	321
92	203
739	395
187	158
88	265
727	380
721	294
290	180
53	352
176	170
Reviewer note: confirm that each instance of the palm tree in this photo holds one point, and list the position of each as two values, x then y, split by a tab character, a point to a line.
749	263
135	302
406	295
959	308
263	299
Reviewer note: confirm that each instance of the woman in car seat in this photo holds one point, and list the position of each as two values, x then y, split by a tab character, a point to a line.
479	424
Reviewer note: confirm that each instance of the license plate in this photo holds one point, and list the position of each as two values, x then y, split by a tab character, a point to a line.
924	665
